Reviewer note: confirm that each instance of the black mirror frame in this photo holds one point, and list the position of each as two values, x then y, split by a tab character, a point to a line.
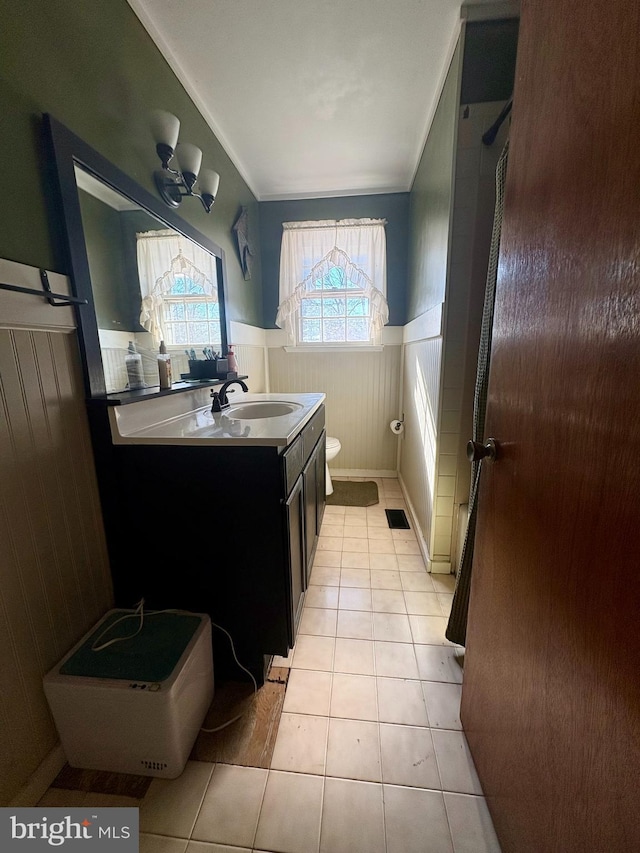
66	150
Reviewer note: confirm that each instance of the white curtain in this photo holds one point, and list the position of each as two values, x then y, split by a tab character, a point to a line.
358	246
161	256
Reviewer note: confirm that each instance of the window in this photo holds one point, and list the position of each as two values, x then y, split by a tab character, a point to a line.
333	282
178	284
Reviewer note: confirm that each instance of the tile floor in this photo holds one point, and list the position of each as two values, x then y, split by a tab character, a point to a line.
370	756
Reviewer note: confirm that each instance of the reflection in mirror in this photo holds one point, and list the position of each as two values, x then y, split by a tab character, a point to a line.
149	284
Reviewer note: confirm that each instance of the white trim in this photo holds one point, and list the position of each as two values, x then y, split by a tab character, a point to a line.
427	325
40	780
28	311
362	472
346	347
392	336
438	568
422	544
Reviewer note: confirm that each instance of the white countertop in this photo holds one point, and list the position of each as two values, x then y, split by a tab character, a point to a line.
186	419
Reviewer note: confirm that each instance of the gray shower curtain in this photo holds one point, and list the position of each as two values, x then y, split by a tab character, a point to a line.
457	626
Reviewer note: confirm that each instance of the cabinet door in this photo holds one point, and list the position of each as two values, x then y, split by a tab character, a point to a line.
321	479
294	520
310	475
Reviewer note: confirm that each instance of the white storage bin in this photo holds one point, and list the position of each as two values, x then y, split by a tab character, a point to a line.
138	705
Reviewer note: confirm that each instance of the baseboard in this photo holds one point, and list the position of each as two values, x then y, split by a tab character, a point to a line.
41	779
362	472
438	568
422	544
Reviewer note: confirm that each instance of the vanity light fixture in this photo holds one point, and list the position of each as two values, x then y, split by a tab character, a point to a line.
174	184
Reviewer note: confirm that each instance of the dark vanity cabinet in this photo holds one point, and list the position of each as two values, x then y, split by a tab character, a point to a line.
225	530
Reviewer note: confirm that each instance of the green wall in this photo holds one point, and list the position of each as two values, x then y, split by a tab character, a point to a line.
92	65
394	207
431	201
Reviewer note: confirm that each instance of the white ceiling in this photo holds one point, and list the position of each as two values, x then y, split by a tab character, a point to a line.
311	97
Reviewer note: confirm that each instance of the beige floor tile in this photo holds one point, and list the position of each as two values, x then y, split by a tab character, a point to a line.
355	560
313	652
308	692
391	627
429	630
354	544
422	603
208	847
354	598
330	559
379	532
395	660
359	512
446	601
170	806
354	656
471	826
331	510
408	756
406	546
415	821
405	534
354	697
355	624
231	805
384	562
443	583
416	581
385	578
301	744
401	701
457	770
318	622
355	577
96	800
321	596
353	750
411	563
291	813
161	844
356	531
329	543
382	546
352	817
443	704
438	663
354	521
330	528
377	519
388	601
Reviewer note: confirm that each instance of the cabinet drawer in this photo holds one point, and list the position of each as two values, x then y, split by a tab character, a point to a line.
312	432
293	460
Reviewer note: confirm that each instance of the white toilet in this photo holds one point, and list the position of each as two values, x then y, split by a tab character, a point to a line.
333	447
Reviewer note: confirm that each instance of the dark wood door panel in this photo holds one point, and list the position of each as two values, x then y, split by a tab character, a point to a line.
551	696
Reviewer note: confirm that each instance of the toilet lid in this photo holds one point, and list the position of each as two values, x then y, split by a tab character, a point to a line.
332	442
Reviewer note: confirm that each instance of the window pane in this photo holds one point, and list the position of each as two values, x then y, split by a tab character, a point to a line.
311	307
196	310
333	306
311	331
199	333
179	335
183	284
357	329
358	307
213	310
215	336
175	311
333	330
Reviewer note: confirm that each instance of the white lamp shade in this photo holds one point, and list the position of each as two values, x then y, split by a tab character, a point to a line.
189	157
209	181
165	128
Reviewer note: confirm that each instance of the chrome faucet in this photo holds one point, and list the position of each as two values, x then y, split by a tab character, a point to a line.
220	400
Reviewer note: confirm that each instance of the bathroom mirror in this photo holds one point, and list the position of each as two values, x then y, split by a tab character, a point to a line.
146	274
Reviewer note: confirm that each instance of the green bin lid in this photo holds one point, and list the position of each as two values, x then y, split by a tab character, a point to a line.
150	655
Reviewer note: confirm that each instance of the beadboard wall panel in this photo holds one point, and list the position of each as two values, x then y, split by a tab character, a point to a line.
54	573
362	398
421	390
252	363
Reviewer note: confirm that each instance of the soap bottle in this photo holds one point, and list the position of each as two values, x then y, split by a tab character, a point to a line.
164	367
231	358
133	363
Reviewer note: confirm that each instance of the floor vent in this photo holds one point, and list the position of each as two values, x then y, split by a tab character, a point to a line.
397	519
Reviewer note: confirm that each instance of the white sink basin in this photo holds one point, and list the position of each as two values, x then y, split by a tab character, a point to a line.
261	409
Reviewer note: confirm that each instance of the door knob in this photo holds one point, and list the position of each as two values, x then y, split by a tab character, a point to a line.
477	451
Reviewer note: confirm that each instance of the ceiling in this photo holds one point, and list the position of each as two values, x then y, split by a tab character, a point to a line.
311	98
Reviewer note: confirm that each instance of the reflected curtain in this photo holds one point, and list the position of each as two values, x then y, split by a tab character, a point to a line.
161	256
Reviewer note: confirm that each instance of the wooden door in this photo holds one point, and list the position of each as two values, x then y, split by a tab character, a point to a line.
551	695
